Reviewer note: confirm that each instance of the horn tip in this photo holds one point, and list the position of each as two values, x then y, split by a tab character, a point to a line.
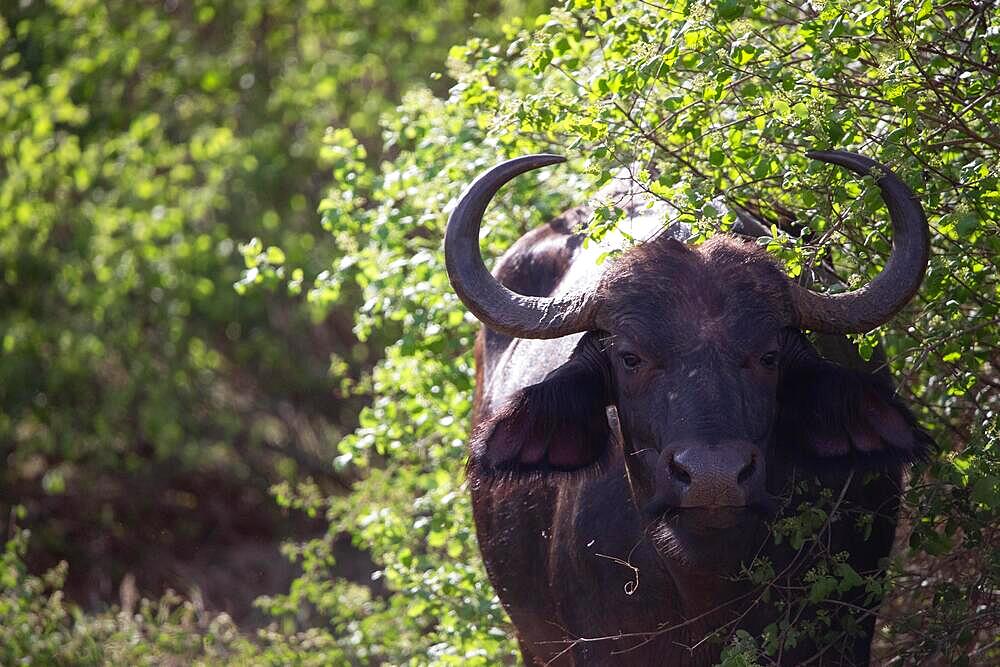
548	158
859	164
519	165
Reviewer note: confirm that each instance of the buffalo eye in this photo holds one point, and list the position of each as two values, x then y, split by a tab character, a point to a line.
630	361
769	360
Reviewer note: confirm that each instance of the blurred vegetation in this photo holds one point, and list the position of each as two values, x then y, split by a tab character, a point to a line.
130	367
38	627
147	407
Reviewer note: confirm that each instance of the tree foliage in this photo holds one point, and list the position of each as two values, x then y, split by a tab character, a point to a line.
700	102
146	406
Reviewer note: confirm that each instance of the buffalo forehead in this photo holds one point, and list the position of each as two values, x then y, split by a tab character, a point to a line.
685	318
727	292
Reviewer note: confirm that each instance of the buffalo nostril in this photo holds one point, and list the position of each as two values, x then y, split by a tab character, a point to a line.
747	471
678	472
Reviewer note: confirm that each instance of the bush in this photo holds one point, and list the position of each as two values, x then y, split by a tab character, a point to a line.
147	407
711	100
126	357
38	627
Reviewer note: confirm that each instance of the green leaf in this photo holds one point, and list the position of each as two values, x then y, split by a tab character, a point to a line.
729	10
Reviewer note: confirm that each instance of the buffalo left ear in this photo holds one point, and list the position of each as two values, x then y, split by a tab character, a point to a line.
557	425
830	412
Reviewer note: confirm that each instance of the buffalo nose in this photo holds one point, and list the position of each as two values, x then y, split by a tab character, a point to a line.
727	474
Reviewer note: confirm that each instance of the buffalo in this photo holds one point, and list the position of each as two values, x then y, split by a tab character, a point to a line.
642	423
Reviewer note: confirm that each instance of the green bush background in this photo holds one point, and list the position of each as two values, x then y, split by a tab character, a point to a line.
178	324
148	406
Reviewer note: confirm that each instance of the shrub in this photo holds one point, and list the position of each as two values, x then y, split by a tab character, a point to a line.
147	407
710	100
37	626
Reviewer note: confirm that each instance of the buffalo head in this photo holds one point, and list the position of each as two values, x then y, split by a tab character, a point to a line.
694	363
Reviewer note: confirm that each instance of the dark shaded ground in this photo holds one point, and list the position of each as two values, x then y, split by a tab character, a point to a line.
209	538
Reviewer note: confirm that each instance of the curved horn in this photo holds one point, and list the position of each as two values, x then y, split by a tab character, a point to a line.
495	305
874	304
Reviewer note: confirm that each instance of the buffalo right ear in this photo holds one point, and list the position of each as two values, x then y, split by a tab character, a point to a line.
559	424
834	415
